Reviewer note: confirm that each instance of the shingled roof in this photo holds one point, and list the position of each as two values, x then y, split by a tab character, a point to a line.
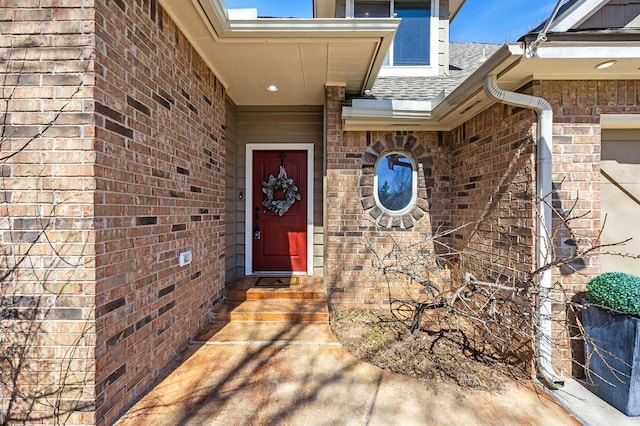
464	59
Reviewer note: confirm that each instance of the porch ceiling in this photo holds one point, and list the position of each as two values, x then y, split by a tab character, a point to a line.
299	56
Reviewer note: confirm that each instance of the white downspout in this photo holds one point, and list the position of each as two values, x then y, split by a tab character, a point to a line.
544	138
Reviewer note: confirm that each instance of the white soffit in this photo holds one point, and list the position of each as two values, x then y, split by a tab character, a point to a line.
297	55
454	8
578	61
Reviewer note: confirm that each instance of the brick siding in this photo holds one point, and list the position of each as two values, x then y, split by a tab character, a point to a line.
354	237
492	193
120	128
577	106
160	169
46	203
114	138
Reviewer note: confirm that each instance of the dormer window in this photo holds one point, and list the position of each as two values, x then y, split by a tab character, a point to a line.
412	43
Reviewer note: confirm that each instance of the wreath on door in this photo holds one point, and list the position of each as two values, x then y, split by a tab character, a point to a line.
274	184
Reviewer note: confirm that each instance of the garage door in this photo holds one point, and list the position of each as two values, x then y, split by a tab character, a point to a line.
620	197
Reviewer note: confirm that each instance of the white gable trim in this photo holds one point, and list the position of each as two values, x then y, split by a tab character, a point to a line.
576	15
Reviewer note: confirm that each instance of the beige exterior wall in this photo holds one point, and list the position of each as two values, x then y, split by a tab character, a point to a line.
620	198
285	125
492	187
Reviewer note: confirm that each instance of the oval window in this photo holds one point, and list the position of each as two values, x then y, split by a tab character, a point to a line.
395	182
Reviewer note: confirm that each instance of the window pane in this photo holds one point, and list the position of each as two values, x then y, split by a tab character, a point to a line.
411	44
395	182
371	9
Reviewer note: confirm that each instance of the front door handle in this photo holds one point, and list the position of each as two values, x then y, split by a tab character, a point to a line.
256	228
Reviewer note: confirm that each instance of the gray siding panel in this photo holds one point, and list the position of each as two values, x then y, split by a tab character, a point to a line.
231	193
616	14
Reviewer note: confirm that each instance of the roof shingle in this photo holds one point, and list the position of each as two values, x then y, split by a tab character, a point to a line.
464	59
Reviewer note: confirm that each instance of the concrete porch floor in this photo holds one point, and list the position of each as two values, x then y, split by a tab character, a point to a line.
245	372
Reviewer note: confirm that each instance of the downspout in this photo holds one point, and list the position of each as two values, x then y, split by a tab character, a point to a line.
544	139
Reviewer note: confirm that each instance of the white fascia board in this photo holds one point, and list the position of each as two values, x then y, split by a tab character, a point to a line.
620	121
558	50
312	28
214	14
575	16
389	109
408	71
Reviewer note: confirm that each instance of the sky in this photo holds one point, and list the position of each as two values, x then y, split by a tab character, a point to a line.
487	21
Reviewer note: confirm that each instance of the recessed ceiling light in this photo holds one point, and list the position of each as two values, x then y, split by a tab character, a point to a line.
604	65
273	88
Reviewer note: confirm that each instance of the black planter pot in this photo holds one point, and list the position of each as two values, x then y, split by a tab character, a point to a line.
618	339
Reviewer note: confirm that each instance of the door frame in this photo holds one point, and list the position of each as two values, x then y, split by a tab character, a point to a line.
248	219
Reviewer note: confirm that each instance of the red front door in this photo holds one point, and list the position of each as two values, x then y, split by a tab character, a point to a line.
280	242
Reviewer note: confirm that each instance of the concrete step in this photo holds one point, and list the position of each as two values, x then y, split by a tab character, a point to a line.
292	310
275	293
306	288
266	332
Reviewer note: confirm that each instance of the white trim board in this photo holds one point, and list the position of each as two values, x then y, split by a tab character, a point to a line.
248	231
620	121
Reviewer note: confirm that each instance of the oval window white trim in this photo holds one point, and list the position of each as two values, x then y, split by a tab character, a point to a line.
414	184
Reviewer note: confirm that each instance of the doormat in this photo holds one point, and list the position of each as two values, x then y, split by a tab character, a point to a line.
276	282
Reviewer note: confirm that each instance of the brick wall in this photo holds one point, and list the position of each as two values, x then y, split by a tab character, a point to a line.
492	191
46	211
357	235
493	177
577	106
160	170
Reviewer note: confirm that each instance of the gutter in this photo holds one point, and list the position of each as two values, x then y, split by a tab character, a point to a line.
546	373
365	112
503	58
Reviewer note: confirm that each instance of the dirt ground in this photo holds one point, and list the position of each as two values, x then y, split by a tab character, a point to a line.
438	353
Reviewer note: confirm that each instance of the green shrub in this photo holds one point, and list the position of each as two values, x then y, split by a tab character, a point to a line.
616	291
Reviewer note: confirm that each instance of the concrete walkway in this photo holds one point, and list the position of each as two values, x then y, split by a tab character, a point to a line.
297	374
588	408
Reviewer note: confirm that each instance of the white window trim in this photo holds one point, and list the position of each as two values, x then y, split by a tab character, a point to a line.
418	70
248	229
414	184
